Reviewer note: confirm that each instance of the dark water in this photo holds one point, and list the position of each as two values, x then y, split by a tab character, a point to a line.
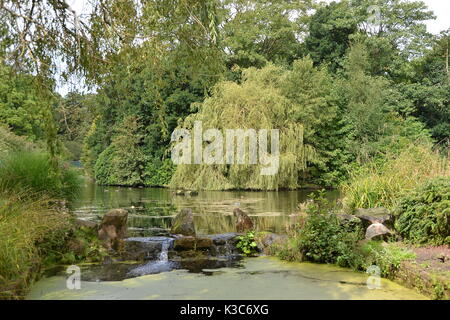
153	208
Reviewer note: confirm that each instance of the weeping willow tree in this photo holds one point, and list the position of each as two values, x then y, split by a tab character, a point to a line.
292	101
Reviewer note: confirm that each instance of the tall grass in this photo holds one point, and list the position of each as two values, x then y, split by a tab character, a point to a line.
381	185
22	226
32	173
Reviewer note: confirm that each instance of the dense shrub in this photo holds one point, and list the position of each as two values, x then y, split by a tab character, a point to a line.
159	172
32	174
381	183
423	215
323	238
11	142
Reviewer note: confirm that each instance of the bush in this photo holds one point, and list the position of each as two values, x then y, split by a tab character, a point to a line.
381	183
11	142
31	174
323	238
423	215
159	173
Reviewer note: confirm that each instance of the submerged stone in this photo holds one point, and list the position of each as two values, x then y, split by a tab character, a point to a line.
184	223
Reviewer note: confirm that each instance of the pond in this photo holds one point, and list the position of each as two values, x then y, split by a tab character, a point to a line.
209	277
151	208
255	278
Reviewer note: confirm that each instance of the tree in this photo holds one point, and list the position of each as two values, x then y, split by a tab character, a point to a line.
297	102
257	32
329	33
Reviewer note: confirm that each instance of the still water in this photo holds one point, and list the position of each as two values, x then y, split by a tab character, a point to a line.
257	278
229	278
151	208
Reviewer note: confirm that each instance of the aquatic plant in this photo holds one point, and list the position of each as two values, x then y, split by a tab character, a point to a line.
247	244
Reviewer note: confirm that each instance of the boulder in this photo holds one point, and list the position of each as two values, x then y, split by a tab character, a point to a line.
113	228
350	222
141	250
224	238
243	222
183	223
377	231
375	215
192	243
267	239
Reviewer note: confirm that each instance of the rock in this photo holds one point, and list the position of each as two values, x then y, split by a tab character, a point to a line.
267	239
243	222
183	223
350	222
87	224
148	232
377	231
139	250
193	243
375	215
113	228
190	193
224	238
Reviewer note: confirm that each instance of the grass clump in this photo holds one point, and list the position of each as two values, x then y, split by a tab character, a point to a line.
382	184
31	173
423	215
34	236
22	226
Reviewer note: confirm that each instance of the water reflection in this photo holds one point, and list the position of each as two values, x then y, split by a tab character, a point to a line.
154	208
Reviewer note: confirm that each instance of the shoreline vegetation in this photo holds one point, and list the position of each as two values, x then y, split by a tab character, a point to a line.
360	107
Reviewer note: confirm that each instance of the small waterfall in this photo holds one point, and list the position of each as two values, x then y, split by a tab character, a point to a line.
165	245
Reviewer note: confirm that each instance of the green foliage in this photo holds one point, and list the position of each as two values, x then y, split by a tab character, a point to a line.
20	105
381	182
256	32
387	256
294	101
423	215
159	173
10	142
323	238
71	245
124	161
329	33
247	244
30	174
22	226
